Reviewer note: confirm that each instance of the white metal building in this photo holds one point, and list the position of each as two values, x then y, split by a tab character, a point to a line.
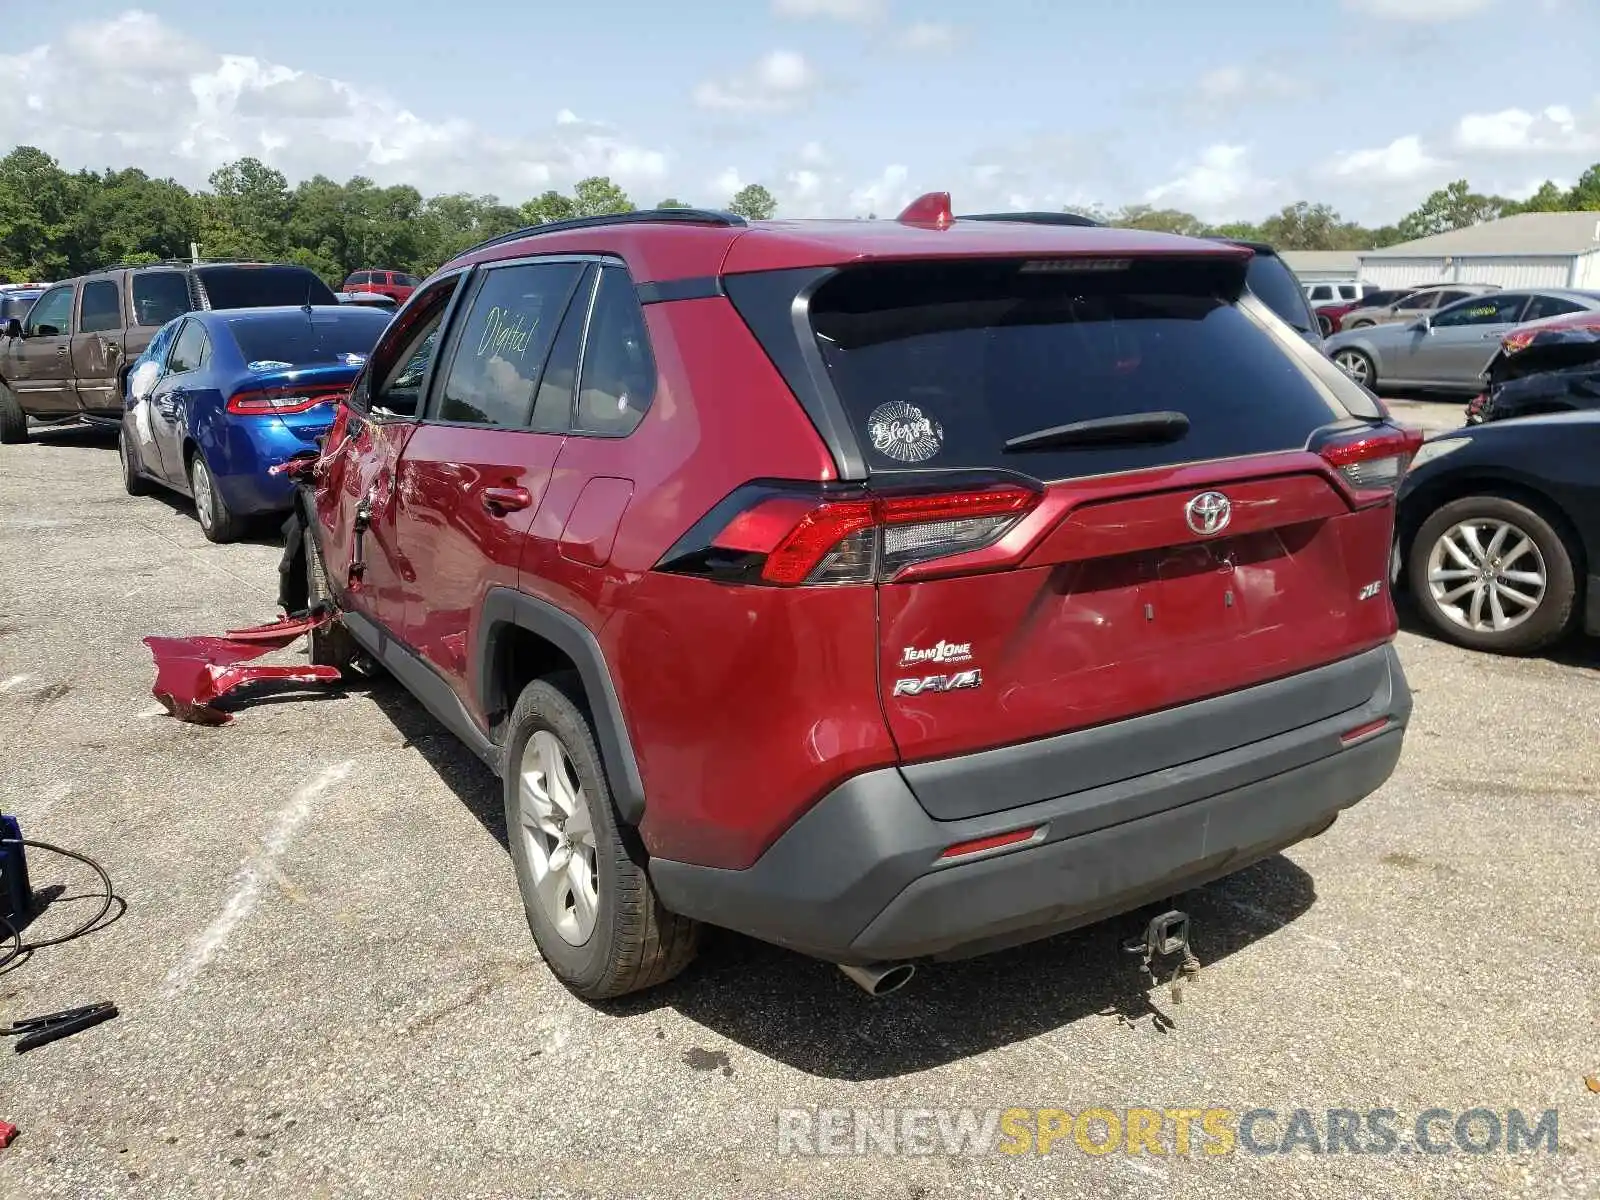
1322	266
1558	249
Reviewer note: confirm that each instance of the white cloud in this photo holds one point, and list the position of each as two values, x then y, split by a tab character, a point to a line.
726	185
928	37
1231	87
777	82
1517	131
1217	185
886	195
1404	159
135	90
858	12
1418	11
813	155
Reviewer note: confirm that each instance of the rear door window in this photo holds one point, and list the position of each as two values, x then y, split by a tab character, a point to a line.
100	310
190	351
500	349
939	365
1549	306
618	378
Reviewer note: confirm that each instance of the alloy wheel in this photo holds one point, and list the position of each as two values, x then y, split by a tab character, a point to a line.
558	835
1354	364
1486	575
200	485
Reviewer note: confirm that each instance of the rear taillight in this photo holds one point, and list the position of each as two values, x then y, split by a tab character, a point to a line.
1373	462
278	402
785	540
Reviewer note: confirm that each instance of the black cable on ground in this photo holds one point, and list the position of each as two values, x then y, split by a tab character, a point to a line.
20	947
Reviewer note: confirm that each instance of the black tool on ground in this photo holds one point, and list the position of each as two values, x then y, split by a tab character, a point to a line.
34	1032
16	895
1165	935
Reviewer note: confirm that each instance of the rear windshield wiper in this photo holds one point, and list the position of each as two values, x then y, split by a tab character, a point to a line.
1131	429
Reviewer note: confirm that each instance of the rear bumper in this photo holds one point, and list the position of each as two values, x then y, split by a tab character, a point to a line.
858	878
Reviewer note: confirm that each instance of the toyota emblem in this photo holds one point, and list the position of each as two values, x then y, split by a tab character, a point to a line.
1209	512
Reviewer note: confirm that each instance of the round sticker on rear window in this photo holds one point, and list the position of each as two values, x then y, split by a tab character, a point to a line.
904	432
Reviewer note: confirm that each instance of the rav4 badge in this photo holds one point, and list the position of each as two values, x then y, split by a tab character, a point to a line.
960	681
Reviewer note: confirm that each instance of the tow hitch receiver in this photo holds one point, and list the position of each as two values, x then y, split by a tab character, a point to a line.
1167	935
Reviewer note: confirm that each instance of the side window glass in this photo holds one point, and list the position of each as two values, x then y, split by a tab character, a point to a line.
552	406
159	296
51	315
100	309
618	379
1497	308
497	356
1321	292
391	383
189	352
1549	306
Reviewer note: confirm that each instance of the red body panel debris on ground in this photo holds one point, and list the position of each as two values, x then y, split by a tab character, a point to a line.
192	673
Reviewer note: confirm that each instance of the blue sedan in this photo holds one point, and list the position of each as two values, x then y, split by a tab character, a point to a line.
221	397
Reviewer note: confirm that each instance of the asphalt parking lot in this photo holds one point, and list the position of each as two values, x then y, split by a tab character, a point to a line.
327	987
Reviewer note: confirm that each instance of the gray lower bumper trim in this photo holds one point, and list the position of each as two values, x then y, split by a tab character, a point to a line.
858	876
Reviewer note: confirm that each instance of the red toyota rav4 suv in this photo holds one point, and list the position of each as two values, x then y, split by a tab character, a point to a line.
883	589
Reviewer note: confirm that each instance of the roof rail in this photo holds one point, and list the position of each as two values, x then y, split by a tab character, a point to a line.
1033	218
641	216
188	262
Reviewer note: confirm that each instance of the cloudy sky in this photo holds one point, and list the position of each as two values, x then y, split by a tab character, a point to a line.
1227	108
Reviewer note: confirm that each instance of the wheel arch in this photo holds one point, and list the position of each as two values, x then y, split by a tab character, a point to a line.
1436	493
521	637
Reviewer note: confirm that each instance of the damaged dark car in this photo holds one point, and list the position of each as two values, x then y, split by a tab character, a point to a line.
1550	367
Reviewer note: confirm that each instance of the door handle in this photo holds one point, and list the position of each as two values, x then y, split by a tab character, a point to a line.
61	350
501	500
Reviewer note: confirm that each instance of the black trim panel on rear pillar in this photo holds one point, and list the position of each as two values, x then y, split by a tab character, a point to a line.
423	682
1591	607
504	608
701	287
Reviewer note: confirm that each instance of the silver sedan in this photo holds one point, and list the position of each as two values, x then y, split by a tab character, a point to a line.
1450	349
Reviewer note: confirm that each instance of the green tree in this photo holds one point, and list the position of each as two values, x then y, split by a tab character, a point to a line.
1455	206
672	203
125	216
1549	198
1159	220
597	196
753	202
38	203
552	206
1585	195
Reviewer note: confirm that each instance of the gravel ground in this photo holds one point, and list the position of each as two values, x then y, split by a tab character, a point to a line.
327	988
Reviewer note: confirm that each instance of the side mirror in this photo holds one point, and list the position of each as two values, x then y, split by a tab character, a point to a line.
14	327
1422	325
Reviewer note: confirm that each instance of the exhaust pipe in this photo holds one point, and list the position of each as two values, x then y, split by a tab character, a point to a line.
879	979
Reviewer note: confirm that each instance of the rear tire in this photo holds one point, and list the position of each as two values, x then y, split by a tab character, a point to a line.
1358	365
1443	562
13	421
216	521
588	898
332	645
133	479
1324	324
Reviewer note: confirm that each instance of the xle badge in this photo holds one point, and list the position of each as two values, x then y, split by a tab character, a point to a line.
960	681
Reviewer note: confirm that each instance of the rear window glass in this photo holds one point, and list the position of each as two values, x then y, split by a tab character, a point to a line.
16	306
263	287
939	366
301	340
